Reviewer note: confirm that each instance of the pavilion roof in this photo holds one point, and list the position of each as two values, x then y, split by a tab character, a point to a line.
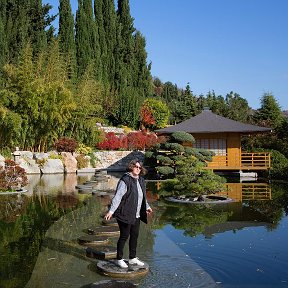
208	122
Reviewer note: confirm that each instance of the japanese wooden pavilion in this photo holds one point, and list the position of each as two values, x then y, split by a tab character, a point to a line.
223	136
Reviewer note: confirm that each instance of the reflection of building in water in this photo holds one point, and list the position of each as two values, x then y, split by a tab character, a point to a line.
247	191
238	191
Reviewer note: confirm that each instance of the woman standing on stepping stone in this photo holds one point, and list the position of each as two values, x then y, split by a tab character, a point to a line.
129	206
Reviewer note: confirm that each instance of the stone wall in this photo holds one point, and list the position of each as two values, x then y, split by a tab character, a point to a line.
54	163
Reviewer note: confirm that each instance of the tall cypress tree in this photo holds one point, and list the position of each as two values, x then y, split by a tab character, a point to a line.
36	27
110	24
16	27
66	37
87	45
143	78
25	21
95	60
3	42
99	25
125	63
83	48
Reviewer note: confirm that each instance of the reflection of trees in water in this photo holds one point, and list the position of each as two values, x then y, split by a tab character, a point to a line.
273	209
21	239
193	218
11	206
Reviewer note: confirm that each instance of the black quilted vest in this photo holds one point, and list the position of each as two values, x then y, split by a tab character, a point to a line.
126	211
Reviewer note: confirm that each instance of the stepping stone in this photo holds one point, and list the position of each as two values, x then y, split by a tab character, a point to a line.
84	191
92	240
110	284
109	268
89	187
101	253
91	182
101	172
104	231
102	178
99	193
112	222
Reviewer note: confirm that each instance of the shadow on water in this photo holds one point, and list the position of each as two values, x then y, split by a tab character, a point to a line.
240	244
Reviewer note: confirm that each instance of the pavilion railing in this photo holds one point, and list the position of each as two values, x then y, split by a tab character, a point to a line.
245	160
256	159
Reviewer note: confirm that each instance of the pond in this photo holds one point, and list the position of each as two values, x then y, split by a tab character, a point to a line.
239	244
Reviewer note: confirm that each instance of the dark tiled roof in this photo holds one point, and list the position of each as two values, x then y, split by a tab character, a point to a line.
208	122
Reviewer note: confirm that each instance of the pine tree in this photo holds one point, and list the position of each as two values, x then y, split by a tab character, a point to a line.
270	112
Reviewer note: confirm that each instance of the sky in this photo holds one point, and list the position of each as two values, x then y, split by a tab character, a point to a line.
216	45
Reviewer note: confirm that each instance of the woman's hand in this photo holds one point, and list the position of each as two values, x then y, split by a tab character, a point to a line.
108	216
149	210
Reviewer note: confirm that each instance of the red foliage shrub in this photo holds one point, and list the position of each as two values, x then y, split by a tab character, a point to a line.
123	142
66	144
111	142
136	140
139	140
151	140
146	116
12	176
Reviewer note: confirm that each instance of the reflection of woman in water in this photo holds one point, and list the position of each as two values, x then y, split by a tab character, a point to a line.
129	206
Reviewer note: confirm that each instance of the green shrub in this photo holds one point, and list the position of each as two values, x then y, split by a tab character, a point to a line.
55	156
175	147
41	162
164	170
83	149
6	153
164	160
181	137
82	161
93	159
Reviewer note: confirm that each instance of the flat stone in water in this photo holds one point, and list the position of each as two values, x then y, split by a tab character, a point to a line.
110	268
84	191
101	253
110	284
104	231
87	187
92	240
206	199
99	193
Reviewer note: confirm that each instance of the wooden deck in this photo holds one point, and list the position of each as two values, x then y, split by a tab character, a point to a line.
245	162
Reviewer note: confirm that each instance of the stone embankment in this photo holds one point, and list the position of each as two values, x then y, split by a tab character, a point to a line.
65	162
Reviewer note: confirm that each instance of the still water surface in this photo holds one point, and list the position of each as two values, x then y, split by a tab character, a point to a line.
240	244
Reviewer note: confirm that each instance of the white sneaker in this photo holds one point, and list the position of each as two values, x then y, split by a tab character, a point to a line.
136	261
121	263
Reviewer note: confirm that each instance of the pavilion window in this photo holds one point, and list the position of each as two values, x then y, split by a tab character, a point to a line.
217	145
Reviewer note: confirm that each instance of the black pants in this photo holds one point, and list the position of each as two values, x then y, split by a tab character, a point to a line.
127	230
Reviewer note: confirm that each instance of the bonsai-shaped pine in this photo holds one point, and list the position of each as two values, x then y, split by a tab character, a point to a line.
193	180
184	167
165	156
12	176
